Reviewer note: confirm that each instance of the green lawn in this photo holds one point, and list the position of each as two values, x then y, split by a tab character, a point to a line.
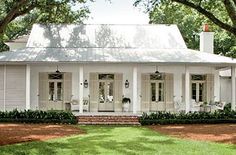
118	140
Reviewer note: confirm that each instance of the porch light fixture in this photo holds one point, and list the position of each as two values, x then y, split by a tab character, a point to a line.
57	71
126	84
85	83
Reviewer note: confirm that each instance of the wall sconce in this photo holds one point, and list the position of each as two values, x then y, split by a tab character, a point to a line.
85	83
126	84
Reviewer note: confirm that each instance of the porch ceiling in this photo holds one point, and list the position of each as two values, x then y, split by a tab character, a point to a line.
113	55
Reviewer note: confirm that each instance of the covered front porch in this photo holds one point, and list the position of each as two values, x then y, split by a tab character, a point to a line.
100	88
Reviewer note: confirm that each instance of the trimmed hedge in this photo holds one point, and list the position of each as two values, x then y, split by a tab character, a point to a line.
188	118
38	116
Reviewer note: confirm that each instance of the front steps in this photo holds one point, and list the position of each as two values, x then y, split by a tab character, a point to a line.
108	120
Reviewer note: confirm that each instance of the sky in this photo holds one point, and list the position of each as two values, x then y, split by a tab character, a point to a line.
115	12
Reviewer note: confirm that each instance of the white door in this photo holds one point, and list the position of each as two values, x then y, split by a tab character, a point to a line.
157	96
55	95
106	95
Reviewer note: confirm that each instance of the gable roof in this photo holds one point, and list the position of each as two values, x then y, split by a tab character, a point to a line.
105	36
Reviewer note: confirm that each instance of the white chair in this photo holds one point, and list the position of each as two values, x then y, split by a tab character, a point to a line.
220	106
195	106
74	105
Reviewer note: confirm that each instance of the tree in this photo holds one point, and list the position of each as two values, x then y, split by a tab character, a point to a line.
209	8
18	16
190	23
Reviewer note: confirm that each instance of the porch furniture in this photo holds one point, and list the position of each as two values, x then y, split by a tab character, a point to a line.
126	104
219	106
195	106
74	105
205	108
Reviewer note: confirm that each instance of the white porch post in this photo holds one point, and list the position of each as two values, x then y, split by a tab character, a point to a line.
216	86
4	87
81	88
187	90
27	98
135	89
233	88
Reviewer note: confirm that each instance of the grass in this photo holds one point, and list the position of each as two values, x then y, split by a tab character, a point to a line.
118	140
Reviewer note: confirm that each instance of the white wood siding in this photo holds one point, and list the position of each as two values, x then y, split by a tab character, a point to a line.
118	92
1	88
145	92
93	89
15	87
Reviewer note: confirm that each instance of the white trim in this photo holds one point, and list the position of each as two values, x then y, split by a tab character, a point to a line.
27	87
4	87
187	89
81	88
135	89
233	88
216	86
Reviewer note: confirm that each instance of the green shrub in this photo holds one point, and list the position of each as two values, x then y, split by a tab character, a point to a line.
225	116
38	116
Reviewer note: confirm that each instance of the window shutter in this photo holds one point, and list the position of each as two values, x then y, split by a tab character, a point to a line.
93	90
43	91
145	92
118	92
169	92
210	87
183	88
67	90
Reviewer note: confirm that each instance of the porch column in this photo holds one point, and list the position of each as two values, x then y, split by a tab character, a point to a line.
135	89
216	86
233	88
4	87
27	98
81	88
187	90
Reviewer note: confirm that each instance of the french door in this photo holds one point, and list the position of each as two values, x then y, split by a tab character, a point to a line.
198	91
106	95
157	95
55	94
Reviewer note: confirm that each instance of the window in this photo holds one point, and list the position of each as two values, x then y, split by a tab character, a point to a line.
198	84
55	76
106	76
157	77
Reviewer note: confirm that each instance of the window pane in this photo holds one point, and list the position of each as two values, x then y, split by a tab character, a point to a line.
110	92
55	76
153	91
51	91
101	92
194	91
161	91
201	92
59	91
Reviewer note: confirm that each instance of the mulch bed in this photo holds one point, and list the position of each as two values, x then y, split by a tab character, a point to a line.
17	133
223	133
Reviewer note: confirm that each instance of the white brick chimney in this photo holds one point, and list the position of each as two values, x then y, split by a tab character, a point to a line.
206	40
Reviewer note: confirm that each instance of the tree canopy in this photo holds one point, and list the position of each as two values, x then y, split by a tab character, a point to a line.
18	16
190	22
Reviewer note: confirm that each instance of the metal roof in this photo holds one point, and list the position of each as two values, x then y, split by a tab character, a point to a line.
103	36
113	55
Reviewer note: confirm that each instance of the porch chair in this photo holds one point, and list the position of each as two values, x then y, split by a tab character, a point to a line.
195	106
74	104
220	106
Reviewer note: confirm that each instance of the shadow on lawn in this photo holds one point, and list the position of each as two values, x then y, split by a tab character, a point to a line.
98	140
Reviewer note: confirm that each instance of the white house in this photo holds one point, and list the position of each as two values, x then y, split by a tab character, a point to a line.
101	64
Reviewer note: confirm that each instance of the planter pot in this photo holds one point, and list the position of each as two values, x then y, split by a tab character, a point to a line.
126	106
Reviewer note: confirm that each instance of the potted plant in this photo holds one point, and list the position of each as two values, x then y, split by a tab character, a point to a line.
126	104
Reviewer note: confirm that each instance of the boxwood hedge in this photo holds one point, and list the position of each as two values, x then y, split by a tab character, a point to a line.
38	116
188	118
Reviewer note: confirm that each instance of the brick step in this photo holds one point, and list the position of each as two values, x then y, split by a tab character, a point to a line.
90	119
